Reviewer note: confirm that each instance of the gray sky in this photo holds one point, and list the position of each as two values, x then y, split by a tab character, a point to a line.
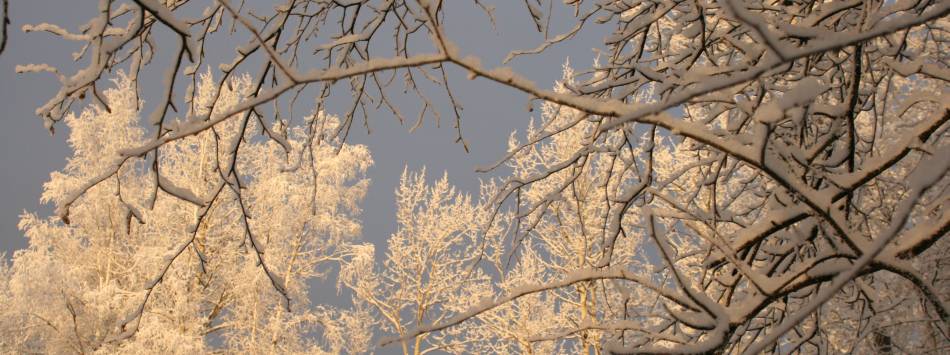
28	153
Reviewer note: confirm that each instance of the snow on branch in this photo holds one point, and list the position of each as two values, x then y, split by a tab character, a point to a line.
727	176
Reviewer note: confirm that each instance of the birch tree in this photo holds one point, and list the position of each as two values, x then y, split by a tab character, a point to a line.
231	262
763	209
426	275
697	210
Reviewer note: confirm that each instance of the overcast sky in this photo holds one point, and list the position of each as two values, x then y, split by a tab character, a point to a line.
28	153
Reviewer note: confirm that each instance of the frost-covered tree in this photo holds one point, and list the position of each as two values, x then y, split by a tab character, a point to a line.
427	274
730	176
188	261
659	243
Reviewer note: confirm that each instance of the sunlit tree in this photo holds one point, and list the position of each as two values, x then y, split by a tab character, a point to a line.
195	254
428	272
728	176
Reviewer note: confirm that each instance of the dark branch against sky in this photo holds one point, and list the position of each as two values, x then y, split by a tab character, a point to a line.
490	112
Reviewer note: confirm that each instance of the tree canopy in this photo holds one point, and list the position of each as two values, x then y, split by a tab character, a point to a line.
727	176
